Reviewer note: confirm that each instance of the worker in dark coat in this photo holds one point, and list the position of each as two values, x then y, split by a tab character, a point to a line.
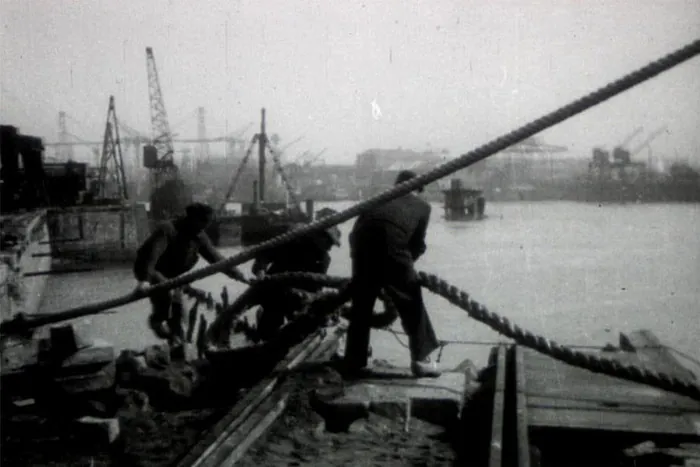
172	249
384	244
310	253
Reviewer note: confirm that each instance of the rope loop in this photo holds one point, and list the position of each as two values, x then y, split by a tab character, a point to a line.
327	302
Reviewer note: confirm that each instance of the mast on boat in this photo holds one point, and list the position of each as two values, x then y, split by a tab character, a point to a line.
262	143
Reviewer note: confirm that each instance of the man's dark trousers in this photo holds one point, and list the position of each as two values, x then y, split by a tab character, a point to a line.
371	273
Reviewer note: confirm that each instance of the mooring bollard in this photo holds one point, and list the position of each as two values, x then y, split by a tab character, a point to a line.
192	321
224	297
202	337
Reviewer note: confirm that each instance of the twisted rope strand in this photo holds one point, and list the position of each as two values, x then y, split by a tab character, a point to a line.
325	302
588	361
563	113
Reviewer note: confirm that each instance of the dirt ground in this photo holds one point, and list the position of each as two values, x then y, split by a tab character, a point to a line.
153	435
148	439
161	416
298	437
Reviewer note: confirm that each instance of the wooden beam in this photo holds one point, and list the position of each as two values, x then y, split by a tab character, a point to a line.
655	354
498	411
522	433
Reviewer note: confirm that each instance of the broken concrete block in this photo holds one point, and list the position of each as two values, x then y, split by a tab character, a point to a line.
338	416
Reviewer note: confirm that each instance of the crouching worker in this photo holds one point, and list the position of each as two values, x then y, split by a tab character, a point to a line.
310	253
172	249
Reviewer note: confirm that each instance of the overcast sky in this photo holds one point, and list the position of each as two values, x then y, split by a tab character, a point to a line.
446	74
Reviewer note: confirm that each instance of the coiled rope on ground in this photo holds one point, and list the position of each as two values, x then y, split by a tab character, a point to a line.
563	113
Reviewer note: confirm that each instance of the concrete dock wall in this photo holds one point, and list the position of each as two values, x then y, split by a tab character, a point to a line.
21	288
98	234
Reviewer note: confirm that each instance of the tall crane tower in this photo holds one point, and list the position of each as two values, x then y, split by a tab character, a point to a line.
65	152
112	179
203	150
169	195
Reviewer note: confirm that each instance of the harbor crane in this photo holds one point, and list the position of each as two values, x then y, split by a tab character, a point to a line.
630	137
158	156
112	179
169	194
647	144
649	140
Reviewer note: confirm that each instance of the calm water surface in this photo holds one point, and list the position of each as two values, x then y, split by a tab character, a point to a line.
575	273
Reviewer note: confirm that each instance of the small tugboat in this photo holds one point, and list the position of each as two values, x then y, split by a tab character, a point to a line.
463	204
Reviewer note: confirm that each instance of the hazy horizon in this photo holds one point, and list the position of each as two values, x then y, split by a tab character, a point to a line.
444	74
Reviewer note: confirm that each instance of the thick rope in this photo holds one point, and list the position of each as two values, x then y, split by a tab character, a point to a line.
566	354
219	331
588	361
563	113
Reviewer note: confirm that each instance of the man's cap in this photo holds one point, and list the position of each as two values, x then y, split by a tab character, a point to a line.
406	175
199	211
325	212
333	232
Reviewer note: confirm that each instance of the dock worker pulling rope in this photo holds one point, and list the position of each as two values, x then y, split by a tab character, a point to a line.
384	245
172	249
310	253
606	366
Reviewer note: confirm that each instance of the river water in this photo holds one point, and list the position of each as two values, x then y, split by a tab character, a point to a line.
575	273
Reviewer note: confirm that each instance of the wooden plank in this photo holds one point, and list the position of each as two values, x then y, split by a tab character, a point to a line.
254	431
498	411
546	402
610	421
562	396
549	377
613	396
521	407
657	355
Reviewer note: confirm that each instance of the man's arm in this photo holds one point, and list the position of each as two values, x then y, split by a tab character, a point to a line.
260	264
325	263
145	265
417	242
212	255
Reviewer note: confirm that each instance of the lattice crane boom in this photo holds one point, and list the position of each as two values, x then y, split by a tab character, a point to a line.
630	137
162	136
111	176
649	140
169	193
